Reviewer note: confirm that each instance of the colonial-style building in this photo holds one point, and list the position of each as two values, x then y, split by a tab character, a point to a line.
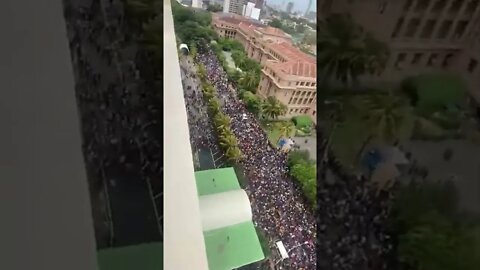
423	35
287	73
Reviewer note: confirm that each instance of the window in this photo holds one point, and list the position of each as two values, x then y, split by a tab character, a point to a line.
444	29
400	58
447	60
472	65
439	6
428	29
417	58
456	6
412	27
294	101
304	101
397	28
422	5
290	101
472	6
407	5
432	59
304	93
310	101
460	29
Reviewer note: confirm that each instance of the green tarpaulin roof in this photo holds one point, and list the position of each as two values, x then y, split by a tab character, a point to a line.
232	246
225	180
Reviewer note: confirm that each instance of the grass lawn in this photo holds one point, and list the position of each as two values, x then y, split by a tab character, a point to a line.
347	140
272	128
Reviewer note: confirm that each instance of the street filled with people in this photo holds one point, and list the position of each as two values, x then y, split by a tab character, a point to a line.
120	119
351	214
277	203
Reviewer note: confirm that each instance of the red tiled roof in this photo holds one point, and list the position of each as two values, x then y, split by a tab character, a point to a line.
273	31
292	53
298	68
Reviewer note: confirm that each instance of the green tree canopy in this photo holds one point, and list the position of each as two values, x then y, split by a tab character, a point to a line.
346	51
272	108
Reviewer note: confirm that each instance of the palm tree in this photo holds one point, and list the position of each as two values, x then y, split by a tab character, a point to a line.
346	51
193	50
234	154
286	129
272	108
201	72
222	120
249	80
214	105
388	117
228	141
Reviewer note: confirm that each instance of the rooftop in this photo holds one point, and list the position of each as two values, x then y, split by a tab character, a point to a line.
298	68
233	244
292	53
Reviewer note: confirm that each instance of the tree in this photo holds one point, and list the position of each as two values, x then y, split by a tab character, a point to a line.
193	50
252	102
201	72
306	174
214	8
431	232
388	118
249	81
233	154
297	156
222	120
346	52
214	105
228	141
287	128
272	108
276	23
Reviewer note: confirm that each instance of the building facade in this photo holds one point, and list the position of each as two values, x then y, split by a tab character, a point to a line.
287	73
233	6
289	7
423	35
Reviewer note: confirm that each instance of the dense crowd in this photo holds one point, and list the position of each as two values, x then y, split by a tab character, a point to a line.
277	204
351	222
120	117
199	124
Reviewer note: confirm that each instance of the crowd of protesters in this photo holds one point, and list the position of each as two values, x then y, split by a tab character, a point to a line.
351	214
199	124
120	117
351	217
277	204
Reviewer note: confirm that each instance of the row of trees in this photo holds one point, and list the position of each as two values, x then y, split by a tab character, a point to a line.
304	171
432	233
270	108
226	137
